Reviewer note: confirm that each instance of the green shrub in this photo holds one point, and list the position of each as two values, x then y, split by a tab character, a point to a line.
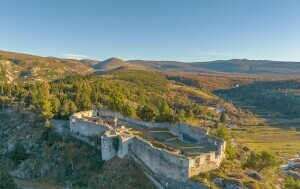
19	153
291	183
262	160
50	136
7	181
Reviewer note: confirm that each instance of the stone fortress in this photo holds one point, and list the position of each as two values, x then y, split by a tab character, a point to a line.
177	152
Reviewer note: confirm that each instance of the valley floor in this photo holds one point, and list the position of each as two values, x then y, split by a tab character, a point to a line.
284	140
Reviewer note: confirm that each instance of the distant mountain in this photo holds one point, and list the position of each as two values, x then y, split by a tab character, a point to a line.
17	66
230	66
169	66
114	63
89	62
252	66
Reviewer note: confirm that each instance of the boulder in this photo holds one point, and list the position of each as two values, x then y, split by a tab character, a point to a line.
233	184
218	181
255	175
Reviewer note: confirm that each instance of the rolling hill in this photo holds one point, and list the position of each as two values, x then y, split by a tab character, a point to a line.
170	66
114	63
17	66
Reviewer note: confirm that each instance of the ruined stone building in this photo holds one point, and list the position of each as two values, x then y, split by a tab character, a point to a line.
176	152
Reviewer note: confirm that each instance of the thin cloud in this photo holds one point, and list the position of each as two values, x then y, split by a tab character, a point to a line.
220	54
74	56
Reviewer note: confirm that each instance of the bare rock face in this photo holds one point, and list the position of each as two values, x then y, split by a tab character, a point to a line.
22	171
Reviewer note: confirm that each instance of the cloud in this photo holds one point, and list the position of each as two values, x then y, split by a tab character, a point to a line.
74	56
220	54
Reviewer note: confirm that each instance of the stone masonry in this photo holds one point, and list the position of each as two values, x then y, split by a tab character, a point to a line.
118	141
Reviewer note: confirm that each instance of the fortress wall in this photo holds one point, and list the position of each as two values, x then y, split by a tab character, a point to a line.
107	149
214	141
208	166
161	162
107	113
182	127
193	132
124	146
205	162
87	128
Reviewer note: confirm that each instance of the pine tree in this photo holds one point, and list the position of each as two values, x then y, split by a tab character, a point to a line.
64	111
147	113
19	153
55	103
223	117
72	107
262	159
190	114
182	115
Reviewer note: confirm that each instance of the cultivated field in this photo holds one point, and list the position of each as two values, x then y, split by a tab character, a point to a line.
284	141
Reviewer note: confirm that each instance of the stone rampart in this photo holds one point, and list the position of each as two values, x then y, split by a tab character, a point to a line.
160	161
79	123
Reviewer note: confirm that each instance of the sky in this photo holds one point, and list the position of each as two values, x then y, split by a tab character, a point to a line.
183	30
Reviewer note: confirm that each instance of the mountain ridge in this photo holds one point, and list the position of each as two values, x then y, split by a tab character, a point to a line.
20	66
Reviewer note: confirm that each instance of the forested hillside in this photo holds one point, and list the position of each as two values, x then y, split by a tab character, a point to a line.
146	95
276	98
